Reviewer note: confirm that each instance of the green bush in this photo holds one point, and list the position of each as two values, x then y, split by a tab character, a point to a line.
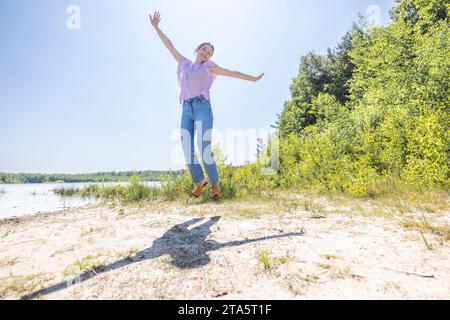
392	129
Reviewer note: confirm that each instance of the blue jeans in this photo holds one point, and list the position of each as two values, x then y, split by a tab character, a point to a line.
197	116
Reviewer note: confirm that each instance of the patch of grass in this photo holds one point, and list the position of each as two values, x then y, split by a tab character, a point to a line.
248	212
134	191
275	200
315	208
378	212
324	265
54	254
282	260
284	204
424	226
127	254
429	201
85	264
429	247
66	191
396	202
307	205
9	262
90	231
330	257
155	224
408	224
20	285
296	291
278	202
263	257
402	206
383	212
426	207
343	272
317	215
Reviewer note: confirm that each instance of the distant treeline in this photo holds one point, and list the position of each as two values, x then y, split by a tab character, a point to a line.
85	177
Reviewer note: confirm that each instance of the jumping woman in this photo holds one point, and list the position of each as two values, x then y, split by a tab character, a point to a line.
195	80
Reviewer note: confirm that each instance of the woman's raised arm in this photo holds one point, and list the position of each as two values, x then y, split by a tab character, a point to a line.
235	74
155	22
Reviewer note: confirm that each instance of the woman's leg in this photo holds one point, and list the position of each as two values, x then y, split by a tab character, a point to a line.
187	142
204	124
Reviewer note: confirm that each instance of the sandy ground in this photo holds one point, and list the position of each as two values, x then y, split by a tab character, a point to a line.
207	251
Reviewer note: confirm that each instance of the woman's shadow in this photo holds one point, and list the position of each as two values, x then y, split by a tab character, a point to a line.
186	246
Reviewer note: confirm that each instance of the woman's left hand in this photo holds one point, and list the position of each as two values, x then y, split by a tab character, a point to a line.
259	77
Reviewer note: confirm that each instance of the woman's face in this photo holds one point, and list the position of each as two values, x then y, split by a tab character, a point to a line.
204	53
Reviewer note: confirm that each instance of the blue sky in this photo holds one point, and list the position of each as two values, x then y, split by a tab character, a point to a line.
105	97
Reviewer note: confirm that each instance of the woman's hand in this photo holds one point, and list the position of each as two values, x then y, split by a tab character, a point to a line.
259	77
155	20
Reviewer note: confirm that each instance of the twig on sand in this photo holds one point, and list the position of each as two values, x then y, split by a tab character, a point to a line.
410	273
310	248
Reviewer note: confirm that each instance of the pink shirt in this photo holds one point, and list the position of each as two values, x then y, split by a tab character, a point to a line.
195	79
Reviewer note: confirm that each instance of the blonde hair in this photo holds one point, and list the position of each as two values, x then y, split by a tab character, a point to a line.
204	43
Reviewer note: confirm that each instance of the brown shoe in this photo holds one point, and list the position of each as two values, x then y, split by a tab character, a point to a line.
215	191
199	188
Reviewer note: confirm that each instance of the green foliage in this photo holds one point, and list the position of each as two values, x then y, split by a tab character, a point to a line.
134	191
374	114
421	14
291	148
226	175
180	186
173	186
427	159
250	179
318	74
66	191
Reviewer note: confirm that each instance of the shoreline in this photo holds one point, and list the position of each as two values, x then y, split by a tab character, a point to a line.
44	214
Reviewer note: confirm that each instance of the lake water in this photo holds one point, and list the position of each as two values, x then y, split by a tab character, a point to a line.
21	199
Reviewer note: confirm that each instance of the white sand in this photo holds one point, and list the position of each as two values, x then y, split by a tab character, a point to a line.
341	256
